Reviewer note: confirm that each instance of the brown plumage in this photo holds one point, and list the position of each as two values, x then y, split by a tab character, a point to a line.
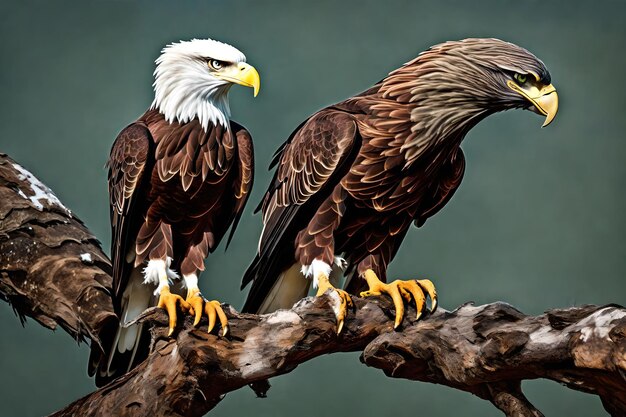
177	189
354	176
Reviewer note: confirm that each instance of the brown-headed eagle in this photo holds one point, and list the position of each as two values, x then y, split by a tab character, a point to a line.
351	179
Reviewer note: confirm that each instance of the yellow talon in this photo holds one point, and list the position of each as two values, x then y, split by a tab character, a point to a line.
210	312
429	287
345	300
169	301
197	303
212	309
401	291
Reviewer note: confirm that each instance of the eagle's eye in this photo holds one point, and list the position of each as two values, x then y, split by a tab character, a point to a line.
215	64
520	78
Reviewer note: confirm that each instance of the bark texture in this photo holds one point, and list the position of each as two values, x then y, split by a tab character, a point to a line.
51	267
53	270
486	350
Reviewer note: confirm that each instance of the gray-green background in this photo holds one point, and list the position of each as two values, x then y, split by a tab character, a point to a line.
538	222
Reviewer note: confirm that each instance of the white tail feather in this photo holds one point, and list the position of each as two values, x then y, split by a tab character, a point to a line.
135	300
290	287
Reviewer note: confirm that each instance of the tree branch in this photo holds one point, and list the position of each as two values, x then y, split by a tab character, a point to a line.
486	350
51	267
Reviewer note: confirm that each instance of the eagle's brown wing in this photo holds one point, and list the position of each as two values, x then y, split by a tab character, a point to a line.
130	158
311	163
242	186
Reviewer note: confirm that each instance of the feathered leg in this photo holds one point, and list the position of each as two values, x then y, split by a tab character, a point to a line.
192	264
315	247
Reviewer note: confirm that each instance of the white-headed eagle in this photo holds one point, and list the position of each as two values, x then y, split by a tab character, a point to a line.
351	179
179	177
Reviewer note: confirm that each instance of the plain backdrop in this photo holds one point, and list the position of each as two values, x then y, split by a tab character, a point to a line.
538	221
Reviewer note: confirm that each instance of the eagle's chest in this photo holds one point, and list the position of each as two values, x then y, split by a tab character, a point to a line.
191	162
189	192
193	182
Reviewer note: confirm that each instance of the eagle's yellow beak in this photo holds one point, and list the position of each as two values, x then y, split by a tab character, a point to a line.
242	74
543	98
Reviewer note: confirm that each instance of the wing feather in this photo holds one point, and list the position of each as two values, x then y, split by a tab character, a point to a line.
310	164
127	165
242	186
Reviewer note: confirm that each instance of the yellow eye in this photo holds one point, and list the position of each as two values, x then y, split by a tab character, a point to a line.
520	78
215	64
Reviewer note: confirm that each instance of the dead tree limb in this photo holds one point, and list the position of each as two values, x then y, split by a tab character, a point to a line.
52	269
486	350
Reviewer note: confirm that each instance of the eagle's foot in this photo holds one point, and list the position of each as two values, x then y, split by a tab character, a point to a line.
343	300
169	302
212	309
400	291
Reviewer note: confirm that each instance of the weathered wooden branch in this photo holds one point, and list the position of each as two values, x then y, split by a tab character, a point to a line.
486	350
52	269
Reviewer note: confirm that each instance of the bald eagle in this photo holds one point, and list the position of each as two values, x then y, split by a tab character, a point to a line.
179	177
351	179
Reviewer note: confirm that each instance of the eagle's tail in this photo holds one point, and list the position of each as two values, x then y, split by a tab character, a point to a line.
290	287
130	345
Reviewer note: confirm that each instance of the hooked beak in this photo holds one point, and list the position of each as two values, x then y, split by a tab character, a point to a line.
545	100
242	74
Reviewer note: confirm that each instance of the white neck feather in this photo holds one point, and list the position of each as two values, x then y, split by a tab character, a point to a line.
184	90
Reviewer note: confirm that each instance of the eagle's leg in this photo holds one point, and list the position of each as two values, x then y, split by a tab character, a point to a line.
401	291
342	299
315	250
167	300
200	305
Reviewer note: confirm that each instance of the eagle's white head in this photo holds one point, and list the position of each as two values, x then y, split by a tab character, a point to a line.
192	79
